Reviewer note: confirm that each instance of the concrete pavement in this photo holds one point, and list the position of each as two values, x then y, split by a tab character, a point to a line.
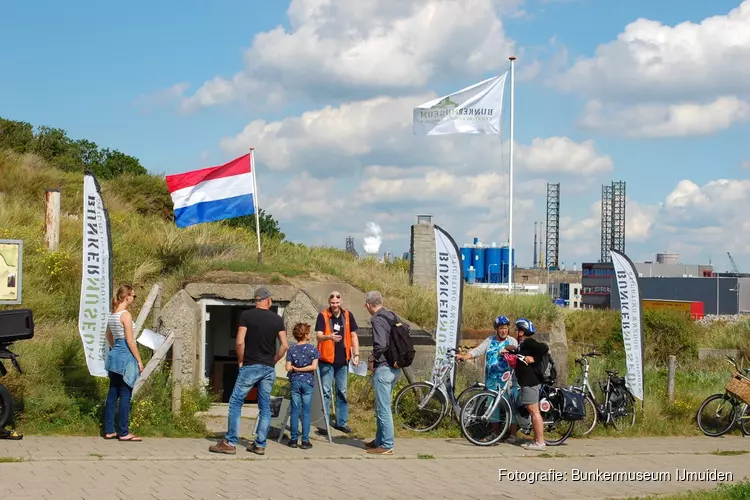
90	467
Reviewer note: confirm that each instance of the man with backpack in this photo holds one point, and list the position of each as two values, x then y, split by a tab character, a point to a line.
392	350
530	373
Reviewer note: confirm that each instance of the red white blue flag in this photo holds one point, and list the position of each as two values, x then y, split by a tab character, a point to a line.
213	193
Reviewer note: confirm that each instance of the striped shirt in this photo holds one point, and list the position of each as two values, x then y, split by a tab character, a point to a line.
115	326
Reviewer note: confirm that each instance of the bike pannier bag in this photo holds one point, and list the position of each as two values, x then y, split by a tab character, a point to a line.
400	352
572	405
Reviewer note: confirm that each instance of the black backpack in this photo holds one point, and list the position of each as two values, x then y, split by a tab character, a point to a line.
400	351
545	369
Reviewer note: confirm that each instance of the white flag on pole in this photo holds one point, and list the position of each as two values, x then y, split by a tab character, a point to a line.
473	110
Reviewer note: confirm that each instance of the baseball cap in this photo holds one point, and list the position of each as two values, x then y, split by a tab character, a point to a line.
262	293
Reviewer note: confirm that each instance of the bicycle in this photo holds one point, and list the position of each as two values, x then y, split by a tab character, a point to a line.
618	407
480	409
735	400
415	414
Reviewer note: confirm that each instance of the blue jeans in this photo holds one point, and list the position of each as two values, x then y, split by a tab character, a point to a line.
383	381
117	389
327	375
250	375
301	396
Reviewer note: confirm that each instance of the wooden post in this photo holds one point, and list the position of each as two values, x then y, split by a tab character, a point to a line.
52	218
670	378
156	310
150	301
176	376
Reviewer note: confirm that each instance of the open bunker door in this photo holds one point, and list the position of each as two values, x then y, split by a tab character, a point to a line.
220	368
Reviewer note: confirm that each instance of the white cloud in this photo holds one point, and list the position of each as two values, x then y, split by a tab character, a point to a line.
562	155
162	97
342	48
670	120
657	81
342	140
686	61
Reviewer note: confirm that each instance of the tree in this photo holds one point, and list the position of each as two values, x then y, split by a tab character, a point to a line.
268	225
16	136
54	145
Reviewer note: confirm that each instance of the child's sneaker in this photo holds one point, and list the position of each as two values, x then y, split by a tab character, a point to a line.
292	444
306	445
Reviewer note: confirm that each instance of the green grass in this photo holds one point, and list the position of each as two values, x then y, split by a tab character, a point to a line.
738	491
10	460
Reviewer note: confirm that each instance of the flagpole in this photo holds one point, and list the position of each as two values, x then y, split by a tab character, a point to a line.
510	177
255	202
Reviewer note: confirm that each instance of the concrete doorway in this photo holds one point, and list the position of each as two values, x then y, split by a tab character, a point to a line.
217	352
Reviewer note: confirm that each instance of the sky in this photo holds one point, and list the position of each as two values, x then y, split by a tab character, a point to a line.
651	93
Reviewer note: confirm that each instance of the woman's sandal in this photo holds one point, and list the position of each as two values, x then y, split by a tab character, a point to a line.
110	436
131	438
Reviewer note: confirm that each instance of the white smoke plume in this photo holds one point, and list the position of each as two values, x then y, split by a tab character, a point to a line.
373	238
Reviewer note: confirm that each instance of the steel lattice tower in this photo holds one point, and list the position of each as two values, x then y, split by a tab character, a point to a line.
618	216
350	246
606	241
553	225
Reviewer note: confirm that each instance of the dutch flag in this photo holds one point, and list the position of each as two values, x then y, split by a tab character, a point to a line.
213	193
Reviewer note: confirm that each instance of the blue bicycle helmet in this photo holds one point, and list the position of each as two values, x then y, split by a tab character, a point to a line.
500	321
526	326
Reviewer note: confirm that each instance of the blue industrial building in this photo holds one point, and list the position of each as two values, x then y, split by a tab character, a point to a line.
485	264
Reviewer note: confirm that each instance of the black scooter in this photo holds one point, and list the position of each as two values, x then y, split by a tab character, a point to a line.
15	325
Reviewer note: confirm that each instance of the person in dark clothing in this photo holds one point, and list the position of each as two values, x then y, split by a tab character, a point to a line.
259	330
530	352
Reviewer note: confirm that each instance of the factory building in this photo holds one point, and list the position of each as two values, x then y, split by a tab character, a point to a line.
597	277
731	294
667	279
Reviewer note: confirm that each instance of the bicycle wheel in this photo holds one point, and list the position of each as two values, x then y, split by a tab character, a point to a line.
478	430
716	422
586	425
745	420
470	391
624	415
407	411
556	430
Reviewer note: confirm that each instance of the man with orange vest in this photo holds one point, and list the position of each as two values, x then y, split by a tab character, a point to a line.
336	330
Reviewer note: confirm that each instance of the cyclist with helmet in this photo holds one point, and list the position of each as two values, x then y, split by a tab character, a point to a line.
528	380
495	365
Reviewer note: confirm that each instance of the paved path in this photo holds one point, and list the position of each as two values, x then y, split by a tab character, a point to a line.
84	467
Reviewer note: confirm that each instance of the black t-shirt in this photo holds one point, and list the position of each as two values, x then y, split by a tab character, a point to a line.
339	356
526	374
263	327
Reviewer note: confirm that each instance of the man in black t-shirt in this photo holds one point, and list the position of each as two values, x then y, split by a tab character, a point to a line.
257	334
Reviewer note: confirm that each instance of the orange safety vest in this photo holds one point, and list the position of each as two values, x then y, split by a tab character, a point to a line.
327	348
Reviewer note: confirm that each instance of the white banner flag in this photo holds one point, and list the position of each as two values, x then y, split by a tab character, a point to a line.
96	286
473	110
449	296
632	326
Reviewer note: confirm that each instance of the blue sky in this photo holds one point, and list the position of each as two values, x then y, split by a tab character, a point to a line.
660	114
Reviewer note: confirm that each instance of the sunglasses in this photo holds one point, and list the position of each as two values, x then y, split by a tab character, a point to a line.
334	296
